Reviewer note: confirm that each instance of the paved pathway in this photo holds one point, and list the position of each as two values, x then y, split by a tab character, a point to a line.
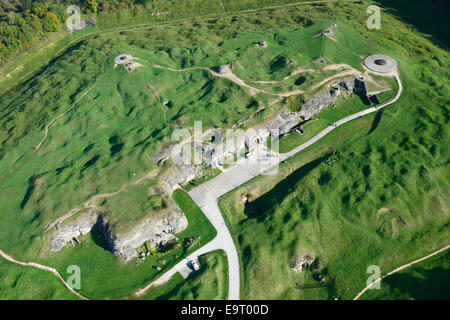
207	194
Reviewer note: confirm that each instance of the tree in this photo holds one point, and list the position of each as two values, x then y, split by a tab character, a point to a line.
50	22
294	103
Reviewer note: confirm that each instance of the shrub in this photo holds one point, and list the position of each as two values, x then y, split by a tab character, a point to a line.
294	103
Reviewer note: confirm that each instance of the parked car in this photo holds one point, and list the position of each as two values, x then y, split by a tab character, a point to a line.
194	265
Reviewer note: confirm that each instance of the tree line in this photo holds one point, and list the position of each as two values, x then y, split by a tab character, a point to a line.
23	22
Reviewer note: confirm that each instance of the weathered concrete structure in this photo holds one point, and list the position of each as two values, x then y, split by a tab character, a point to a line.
156	231
313	105
223	69
123	58
380	63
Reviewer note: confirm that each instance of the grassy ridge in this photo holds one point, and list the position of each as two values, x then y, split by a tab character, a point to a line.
121	122
31	60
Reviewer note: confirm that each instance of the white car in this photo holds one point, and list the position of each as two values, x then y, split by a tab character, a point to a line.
194	265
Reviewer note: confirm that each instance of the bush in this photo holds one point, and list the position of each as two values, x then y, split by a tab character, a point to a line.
294	103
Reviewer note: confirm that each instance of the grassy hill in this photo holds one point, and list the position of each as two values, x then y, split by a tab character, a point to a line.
396	159
381	199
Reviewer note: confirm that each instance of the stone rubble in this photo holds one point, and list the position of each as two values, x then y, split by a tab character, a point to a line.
305	261
155	231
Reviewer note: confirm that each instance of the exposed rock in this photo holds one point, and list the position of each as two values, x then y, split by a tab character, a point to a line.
284	122
91	21
215	153
313	105
66	233
328	33
164	154
335	92
347	83
223	69
156	232
262	44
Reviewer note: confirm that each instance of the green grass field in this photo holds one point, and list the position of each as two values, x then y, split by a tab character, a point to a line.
108	139
327	116
208	283
381	199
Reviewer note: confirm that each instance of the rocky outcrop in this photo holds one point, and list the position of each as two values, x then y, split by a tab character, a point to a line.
183	174
284	122
155	231
305	261
67	233
313	105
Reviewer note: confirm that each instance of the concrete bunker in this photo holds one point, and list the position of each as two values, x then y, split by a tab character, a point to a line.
380	63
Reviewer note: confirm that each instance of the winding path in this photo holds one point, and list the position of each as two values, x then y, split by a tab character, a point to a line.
207	194
400	269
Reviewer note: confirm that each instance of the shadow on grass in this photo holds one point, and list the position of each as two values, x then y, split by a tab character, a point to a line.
28	193
269	200
433	284
376	121
99	239
428	16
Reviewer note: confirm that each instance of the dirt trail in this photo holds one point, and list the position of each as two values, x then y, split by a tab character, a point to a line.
232	77
42	267
46	132
90	203
207	194
335	76
400	269
293	73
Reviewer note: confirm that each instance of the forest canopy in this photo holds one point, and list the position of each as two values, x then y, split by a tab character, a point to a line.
24	22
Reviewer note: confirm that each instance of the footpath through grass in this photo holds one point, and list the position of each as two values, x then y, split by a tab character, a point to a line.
427	280
328	116
28	283
381	199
